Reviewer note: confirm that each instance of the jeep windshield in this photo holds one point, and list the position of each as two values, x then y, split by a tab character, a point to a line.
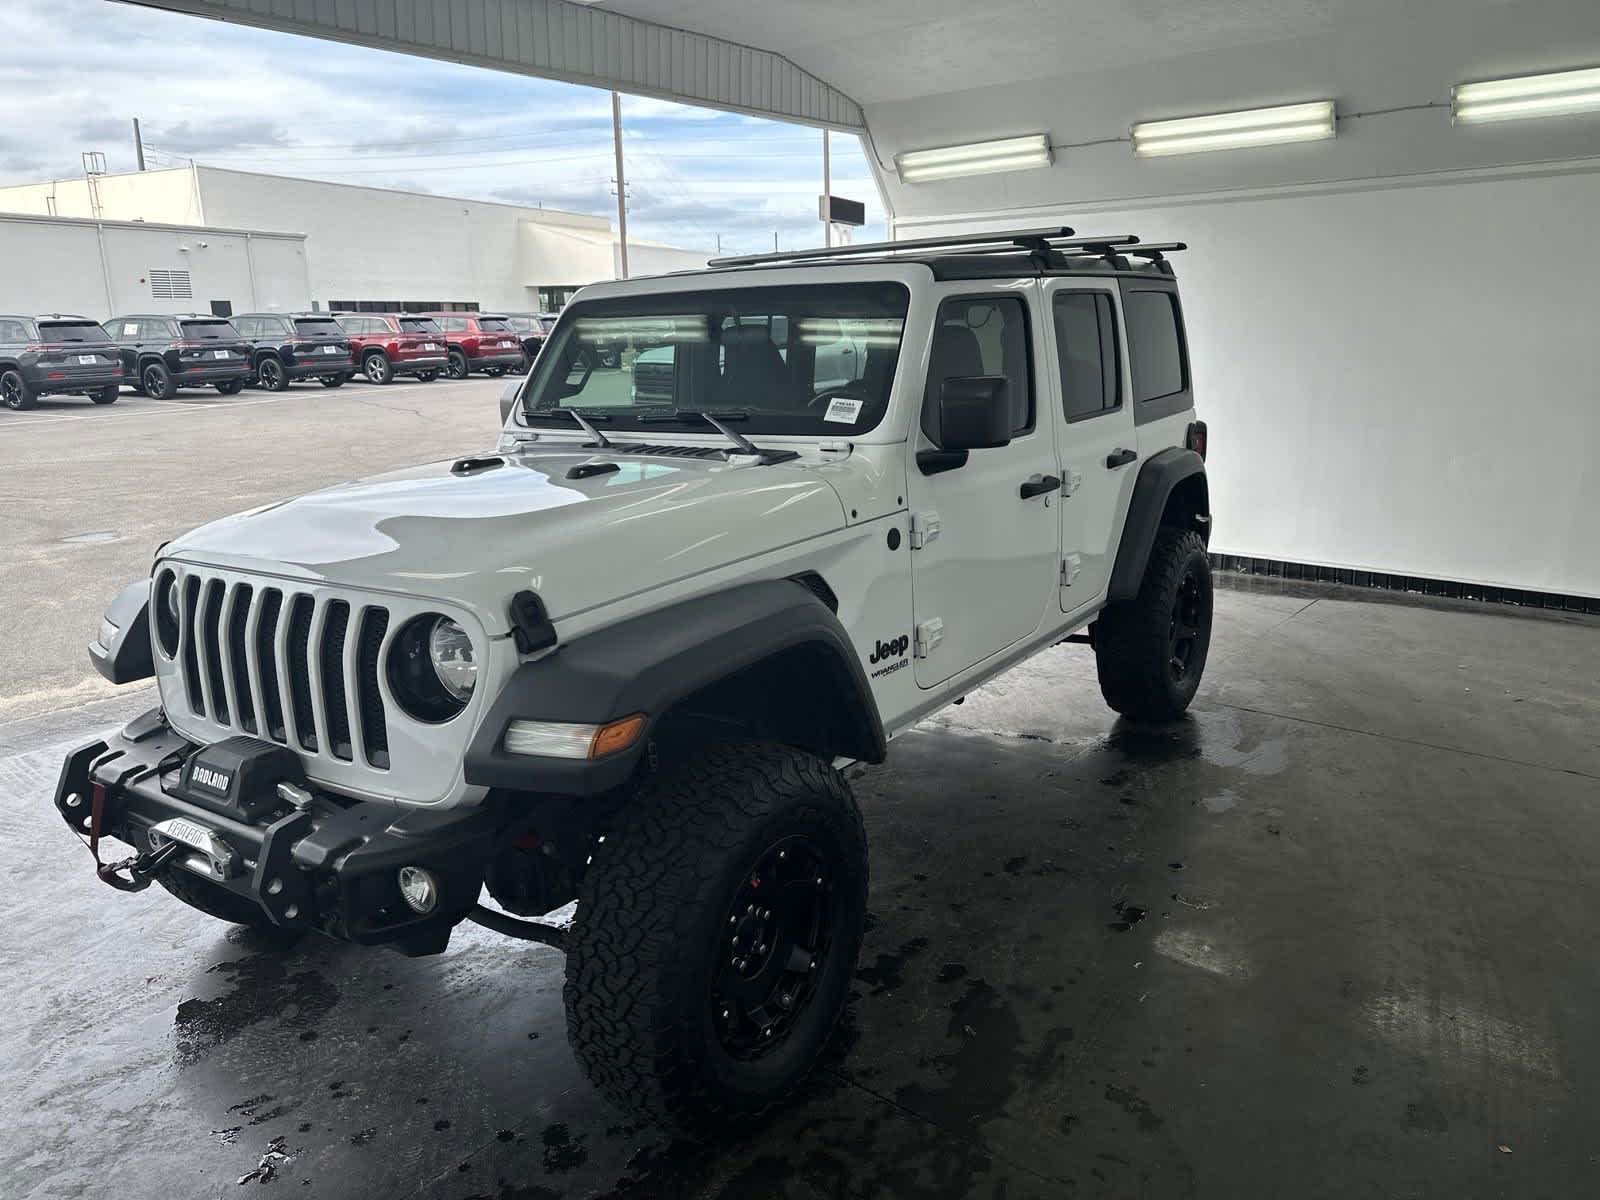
813	360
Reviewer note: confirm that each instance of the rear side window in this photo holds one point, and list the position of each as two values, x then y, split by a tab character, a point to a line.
981	336
211	331
1154	344
72	331
14	331
1086	345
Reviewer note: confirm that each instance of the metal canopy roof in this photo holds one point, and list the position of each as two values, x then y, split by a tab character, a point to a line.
558	39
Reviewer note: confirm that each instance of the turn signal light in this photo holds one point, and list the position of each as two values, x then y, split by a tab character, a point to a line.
1195	439
618	735
554	739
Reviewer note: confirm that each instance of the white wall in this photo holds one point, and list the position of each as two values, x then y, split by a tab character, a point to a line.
653	258
55	265
1396	377
167	195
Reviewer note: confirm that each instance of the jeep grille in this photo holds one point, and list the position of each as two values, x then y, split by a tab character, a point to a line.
293	667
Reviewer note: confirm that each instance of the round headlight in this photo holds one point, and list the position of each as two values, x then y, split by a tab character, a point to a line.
431	668
166	613
450	651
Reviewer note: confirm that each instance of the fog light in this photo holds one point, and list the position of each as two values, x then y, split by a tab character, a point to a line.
419	889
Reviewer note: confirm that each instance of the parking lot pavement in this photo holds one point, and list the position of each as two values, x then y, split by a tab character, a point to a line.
88	493
1331	935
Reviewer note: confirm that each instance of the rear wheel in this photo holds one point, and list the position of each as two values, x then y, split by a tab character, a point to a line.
458	365
15	393
494	372
377	368
107	394
231	387
716	935
427	376
271	375
332	381
157	381
1151	651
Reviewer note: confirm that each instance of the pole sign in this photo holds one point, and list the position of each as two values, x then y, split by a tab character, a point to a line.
840	211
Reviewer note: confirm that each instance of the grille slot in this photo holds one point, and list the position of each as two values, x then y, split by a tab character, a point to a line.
238	657
266	661
331	661
300	669
305	718
374	727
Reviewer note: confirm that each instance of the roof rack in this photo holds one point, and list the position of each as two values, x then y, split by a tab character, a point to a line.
1055	239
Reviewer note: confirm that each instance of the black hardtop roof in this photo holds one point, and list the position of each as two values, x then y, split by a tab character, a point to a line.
1050	251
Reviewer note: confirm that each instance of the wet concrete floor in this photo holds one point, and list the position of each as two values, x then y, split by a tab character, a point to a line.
1332	935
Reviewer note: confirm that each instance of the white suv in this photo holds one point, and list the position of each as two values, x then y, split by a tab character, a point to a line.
623	657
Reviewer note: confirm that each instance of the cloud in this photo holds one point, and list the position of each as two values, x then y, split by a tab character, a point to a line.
261	101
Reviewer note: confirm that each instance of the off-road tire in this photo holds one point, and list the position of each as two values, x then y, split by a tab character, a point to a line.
15	390
377	368
652	929
1134	649
107	394
215	902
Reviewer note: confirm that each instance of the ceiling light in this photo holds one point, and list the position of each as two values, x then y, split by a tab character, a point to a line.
974	158
1555	95
1312	122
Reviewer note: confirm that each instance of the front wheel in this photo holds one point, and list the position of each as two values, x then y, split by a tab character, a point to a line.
458	365
1151	651
716	935
377	368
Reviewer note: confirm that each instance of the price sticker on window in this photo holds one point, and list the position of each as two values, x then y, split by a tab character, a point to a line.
842	410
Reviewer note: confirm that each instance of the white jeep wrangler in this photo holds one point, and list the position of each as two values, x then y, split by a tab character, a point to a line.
624	657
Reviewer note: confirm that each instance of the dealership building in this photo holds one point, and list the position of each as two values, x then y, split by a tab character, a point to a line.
223	240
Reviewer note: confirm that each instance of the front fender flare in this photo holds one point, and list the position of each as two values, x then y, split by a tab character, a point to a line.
648	663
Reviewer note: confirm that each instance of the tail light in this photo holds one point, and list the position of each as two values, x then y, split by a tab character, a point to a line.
1195	438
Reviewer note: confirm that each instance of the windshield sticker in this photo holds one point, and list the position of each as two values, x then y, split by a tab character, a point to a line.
842	410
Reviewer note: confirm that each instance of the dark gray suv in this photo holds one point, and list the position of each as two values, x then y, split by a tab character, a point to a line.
56	355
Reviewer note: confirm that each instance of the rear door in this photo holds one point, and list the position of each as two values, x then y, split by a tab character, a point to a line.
984	557
1095	432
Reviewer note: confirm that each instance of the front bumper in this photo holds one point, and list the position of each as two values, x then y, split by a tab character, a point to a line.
331	865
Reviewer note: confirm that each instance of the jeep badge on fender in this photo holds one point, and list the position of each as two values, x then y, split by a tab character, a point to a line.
552	669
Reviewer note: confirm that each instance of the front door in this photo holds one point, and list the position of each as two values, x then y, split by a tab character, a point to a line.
984	533
1096	439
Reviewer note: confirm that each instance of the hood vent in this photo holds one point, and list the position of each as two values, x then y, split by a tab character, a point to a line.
710	452
471	466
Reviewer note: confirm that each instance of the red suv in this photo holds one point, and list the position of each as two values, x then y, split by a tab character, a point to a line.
388	344
481	342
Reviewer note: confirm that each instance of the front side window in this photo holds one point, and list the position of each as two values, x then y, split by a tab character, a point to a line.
1154	345
807	360
1086	347
983	335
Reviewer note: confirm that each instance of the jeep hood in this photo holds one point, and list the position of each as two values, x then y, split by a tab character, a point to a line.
479	536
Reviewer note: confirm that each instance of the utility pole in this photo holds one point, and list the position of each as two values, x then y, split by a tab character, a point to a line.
719	245
622	185
774	241
138	143
827	194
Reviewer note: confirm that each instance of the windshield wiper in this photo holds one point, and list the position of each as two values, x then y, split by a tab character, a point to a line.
600	438
742	444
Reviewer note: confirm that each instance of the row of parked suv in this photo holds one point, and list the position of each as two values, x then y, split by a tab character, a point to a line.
158	353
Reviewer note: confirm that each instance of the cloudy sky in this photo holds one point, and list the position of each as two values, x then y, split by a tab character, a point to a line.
261	101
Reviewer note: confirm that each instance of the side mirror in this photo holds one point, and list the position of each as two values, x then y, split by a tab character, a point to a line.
974	413
509	395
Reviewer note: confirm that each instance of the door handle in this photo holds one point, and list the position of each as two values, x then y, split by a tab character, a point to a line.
1120	458
1038	485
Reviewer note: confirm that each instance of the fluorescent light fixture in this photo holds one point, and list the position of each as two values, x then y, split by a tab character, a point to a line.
974	158
1556	95
1311	122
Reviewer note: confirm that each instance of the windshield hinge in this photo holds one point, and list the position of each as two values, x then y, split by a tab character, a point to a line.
924	528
